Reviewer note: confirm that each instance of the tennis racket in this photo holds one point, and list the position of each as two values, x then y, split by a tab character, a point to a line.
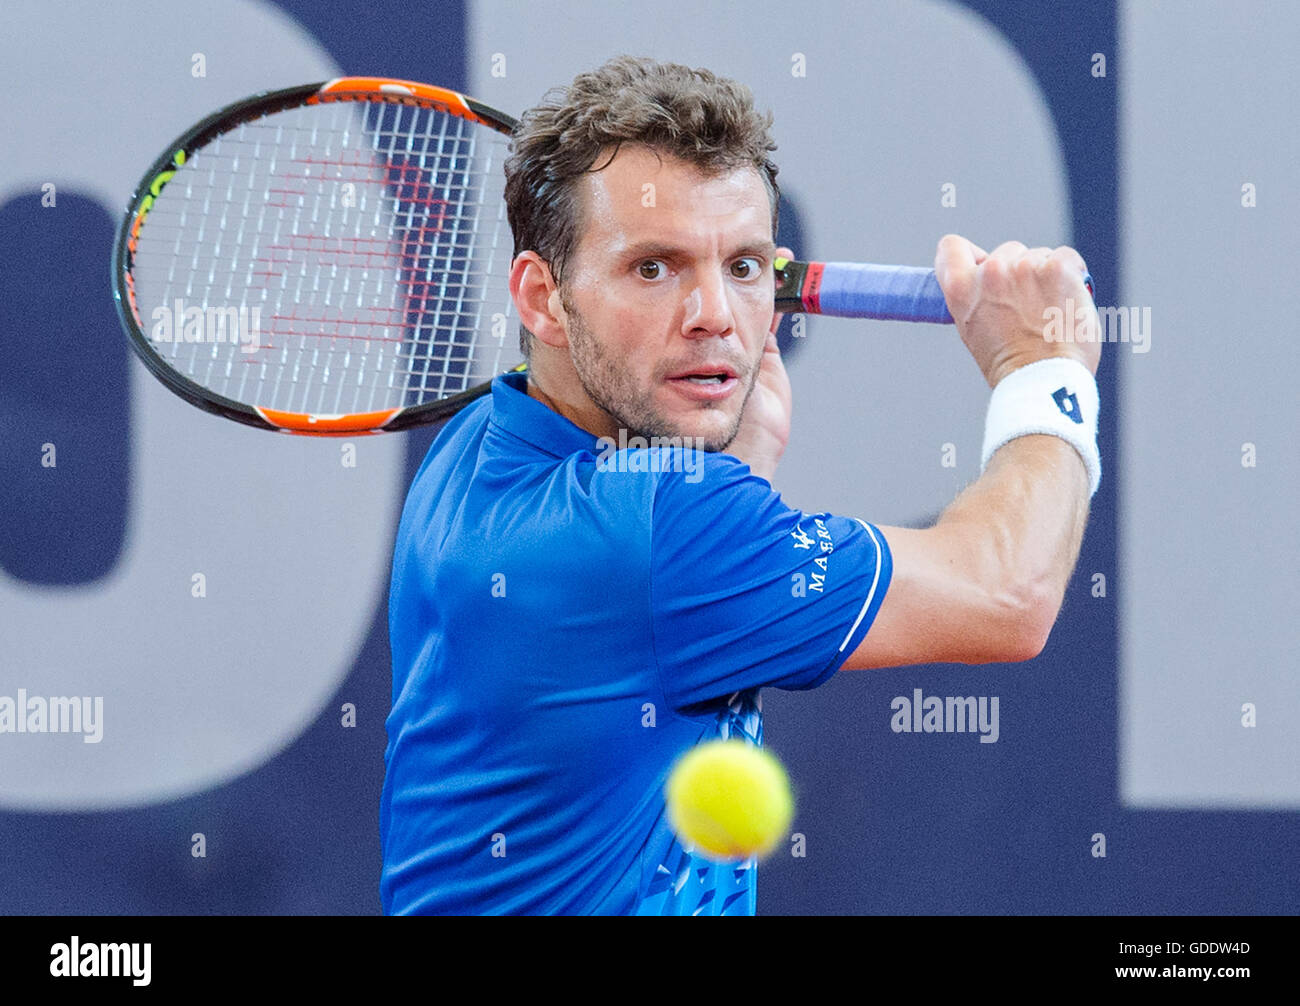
333	259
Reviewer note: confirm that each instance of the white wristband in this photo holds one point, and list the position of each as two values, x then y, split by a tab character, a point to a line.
1057	396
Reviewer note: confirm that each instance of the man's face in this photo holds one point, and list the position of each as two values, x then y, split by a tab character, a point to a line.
669	295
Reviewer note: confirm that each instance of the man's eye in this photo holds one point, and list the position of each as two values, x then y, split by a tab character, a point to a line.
745	268
651	269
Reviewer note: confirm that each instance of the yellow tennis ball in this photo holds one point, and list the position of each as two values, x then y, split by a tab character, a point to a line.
730	800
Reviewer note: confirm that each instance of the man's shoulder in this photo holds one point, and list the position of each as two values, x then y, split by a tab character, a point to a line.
666	463
469	423
625	484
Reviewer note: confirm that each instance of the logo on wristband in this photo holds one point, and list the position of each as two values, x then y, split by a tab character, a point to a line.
1068	403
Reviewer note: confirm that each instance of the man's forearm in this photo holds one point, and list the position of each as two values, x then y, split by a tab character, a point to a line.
1022	524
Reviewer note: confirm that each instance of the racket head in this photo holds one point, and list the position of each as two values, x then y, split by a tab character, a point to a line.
327	259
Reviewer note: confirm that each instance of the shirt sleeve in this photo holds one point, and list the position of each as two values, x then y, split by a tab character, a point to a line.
747	592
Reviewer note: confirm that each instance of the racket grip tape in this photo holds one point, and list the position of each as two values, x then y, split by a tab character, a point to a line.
883	292
888	293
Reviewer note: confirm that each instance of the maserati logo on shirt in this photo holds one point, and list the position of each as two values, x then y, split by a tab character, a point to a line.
821	537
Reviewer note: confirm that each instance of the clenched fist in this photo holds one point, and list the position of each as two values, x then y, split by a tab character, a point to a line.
1001	303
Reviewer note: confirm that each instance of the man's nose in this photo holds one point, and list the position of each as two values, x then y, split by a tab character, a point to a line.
708	308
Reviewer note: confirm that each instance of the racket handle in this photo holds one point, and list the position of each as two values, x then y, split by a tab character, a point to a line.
891	293
858	290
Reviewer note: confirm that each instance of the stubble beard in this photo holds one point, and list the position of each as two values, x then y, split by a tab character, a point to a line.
613	389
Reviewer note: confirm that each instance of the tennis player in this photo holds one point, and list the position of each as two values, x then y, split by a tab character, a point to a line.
572	608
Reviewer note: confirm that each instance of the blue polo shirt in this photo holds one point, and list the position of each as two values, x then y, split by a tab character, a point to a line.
566	620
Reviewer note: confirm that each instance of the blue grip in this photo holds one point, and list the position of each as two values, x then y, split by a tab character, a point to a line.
886	292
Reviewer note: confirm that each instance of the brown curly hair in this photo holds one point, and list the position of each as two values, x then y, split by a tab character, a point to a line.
694	115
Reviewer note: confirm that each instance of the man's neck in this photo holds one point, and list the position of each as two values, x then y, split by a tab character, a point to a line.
585	414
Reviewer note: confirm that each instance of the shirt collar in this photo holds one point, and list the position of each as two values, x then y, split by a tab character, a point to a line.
523	416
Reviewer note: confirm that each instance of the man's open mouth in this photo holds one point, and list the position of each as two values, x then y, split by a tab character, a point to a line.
705	384
705	378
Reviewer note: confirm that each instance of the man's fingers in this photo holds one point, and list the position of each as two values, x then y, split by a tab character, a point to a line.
782	252
1009	251
955	261
955	253
1070	257
1025	261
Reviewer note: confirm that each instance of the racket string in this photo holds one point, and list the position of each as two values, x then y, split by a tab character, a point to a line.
360	242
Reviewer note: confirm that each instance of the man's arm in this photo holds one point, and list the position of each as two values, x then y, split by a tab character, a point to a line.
986	582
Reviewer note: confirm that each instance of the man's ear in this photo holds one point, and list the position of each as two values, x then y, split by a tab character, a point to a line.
537	299
781	252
